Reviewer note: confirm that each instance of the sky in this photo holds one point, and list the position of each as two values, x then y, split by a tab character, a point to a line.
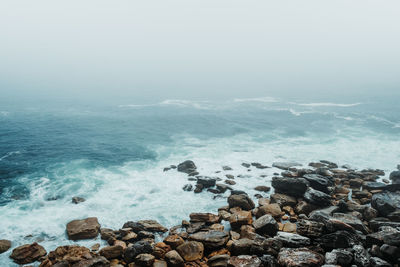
143	51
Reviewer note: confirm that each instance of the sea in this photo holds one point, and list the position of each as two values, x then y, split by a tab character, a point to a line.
114	155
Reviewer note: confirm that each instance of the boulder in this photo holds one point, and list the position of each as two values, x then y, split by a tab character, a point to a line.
283	200
152	226
174	259
204	217
28	253
210	239
77	200
242	246
187	166
291	186
4	245
293	240
141	247
273	209
268	261
266	225
218	261
67	255
310	228
111	252
160	263
361	256
244	261
191	250
243	201
299	257
378	262
386	202
206	181
96	261
174	241
317	198
339	239
83	229
340	257
145	260
350	220
240	218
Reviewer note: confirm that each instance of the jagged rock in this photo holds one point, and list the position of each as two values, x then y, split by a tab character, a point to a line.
187	166
273	209
299	257
304	207
4	245
206	181
319	182
339	239
285	165
378	222
386	202
291	186
66	255
247	231
160	249
145	260
28	253
204	217
292	240
350	220
339	257
191	250
266	225
283	200
218	261
174	259
210	239
111	252
240	218
244	261
361	256
151	226
317	198
141	247
378	262
309	228
242	201
378	238
83	229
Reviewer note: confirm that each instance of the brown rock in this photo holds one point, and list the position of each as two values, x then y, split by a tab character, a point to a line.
159	263
305	208
230	182
111	252
273	209
145	260
240	218
152	226
263	201
247	231
67	254
174	259
262	188
242	201
4	245
160	249
28	253
204	217
290	227
191	250
244	261
174	241
299	257
283	200
83	229
210	239
97	261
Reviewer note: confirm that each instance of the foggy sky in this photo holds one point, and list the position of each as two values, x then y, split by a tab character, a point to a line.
134	51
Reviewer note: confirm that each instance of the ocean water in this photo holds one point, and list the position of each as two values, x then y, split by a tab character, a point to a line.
114	155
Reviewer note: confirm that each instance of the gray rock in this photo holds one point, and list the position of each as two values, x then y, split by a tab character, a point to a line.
378	262
298	257
285	165
187	166
266	225
386	202
317	198
291	186
211	239
395	177
293	240
206	181
339	239
361	256
4	245
319	182
339	257
244	261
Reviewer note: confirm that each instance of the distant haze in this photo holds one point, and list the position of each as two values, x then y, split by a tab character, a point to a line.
133	51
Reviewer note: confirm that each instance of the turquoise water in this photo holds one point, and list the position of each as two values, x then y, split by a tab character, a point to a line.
114	155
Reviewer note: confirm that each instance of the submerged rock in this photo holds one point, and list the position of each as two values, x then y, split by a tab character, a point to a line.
83	229
77	200
28	253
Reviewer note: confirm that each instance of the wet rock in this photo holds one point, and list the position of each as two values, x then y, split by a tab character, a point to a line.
4	245
187	187
108	234
283	200
304	207
152	226
191	250
160	249
246	165
394	216
242	201
273	209
66	255
268	261
285	165
187	166
218	261
378	222
378	238
242	246
28	253
83	229
204	217
266	225
77	200
317	198
210	239
310	228
141	247
226	168
262	188
319	182
206	181
386	202
145	260
222	188
378	262
395	177
111	252
290	227
299	257
339	239
174	259
374	186
292	240
339	257
350	220
97	261
291	186
174	241
240	218
230	182
244	261
390	253
361	256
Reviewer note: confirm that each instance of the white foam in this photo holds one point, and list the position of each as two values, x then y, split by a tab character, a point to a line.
265	99
327	104
8	154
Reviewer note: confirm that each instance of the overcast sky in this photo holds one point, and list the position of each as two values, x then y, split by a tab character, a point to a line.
206	49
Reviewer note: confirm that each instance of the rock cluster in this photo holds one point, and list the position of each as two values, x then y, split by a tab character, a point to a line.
317	216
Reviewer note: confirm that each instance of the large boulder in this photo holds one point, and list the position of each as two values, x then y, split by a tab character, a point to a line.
386	202
187	166
28	253
243	201
191	250
266	225
4	245
291	186
299	257
210	239
83	229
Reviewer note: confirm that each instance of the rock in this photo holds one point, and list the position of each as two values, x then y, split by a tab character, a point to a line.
187	166
390	253
378	222
293	240
317	198
378	262
4	245
319	182
246	165
174	259
283	200
290	227
309	228
111	252
299	257
285	165
152	226
244	261
28	253
66	255
339	239
230	182
386	202
247	231
291	186
160	249
97	261
242	201
240	218
361	256
339	257
107	234
187	187
204	217
273	209
374	186
141	247
77	200
83	229
210	239
266	225
242	246
174	241
262	188
218	261
350	220
160	263
191	250
206	181
226	168
145	260
395	177
222	188
394	216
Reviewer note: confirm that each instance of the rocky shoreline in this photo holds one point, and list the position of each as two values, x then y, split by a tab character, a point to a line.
321	215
